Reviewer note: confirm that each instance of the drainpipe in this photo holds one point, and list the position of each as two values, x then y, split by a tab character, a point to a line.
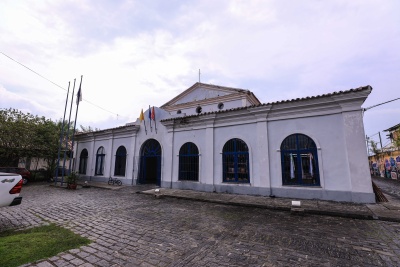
172	153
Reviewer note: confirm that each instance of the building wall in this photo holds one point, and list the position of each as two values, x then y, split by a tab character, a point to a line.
212	107
336	130
342	175
110	144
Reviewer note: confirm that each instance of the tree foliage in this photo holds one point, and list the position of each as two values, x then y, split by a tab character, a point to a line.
396	138
27	136
87	129
374	149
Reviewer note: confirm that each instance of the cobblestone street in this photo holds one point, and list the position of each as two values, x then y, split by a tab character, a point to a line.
129	229
389	186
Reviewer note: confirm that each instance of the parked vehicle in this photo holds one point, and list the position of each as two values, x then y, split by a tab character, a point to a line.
10	188
26	175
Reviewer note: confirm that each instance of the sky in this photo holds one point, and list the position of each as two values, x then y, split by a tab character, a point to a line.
133	54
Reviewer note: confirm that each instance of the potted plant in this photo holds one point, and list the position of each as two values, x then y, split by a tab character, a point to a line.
72	180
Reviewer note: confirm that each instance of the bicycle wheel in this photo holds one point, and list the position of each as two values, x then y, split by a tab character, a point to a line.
110	182
119	182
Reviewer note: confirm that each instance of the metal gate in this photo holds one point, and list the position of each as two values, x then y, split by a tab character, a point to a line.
150	163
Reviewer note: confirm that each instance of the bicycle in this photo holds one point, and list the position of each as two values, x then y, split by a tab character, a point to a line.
113	181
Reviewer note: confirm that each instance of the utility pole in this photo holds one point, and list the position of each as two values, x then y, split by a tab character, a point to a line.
384	163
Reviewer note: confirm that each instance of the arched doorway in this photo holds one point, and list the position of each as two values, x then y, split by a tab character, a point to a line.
150	163
120	161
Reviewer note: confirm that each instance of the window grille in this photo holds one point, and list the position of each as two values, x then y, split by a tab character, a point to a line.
235	161
299	161
189	162
120	161
83	158
100	161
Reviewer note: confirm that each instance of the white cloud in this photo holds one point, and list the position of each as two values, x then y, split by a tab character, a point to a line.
135	53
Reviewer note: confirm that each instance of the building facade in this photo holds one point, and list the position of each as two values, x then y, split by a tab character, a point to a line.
219	139
385	162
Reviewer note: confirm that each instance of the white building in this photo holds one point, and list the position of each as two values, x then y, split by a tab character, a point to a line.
214	138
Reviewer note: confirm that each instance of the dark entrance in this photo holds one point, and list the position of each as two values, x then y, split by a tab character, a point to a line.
150	163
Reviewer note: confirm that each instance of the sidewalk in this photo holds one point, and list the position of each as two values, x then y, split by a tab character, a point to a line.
385	211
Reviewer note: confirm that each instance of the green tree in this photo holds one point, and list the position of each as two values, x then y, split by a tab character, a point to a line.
396	138
28	136
87	129
16	130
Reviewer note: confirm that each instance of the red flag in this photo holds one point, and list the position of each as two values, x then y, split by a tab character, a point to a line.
153	114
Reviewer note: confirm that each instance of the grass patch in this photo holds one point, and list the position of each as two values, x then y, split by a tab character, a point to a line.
20	247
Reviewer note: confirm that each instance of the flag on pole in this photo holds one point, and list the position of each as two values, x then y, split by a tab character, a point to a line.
151	128
153	117
79	96
153	114
141	117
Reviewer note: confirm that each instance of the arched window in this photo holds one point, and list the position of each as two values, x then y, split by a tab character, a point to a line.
120	161
235	161
189	162
299	161
100	161
83	158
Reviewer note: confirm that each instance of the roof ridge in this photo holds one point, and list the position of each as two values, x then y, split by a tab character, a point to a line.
361	88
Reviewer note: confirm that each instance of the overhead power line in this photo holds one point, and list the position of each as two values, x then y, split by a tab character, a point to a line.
59	86
34	71
365	109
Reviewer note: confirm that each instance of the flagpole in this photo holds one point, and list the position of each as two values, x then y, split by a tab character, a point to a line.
66	139
78	99
151	128
61	135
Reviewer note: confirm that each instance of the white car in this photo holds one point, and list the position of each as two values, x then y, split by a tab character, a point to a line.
10	188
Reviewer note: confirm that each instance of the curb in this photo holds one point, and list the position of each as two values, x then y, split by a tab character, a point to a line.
360	216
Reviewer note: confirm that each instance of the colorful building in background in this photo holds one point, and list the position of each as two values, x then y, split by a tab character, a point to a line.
386	161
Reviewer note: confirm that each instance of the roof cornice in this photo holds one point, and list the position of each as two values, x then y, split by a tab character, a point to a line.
230	90
119	132
336	102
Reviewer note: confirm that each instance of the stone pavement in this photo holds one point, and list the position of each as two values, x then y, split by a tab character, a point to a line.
386	211
130	229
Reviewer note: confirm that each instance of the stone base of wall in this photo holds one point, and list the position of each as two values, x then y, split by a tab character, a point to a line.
290	192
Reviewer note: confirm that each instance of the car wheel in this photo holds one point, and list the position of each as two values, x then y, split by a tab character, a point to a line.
24	180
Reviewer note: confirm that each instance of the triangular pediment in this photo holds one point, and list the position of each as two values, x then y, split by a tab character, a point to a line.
201	91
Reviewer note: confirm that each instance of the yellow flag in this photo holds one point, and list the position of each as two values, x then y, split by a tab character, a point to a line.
141	117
